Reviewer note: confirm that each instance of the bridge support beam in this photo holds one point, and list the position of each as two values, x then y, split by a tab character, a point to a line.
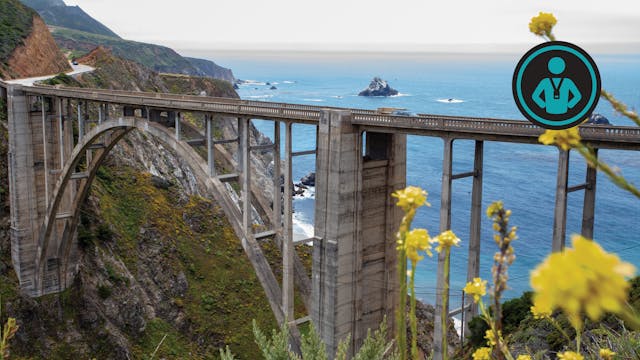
442	284
589	205
287	230
210	147
354	261
473	265
560	209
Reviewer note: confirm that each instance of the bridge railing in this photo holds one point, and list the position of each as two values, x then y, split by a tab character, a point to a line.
500	129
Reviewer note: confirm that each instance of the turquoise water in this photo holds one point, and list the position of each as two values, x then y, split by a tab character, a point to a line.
523	176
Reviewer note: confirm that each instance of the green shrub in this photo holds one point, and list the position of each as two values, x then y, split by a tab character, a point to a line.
104	291
16	21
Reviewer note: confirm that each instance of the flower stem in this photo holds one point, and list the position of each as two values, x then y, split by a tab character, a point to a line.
559	328
412	314
617	179
630	319
445	299
401	327
620	107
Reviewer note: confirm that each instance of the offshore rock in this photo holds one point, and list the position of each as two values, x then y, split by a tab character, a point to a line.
378	87
309	179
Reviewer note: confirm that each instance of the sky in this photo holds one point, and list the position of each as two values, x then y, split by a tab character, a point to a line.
381	25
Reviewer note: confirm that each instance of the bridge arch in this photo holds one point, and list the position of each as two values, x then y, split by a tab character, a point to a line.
114	131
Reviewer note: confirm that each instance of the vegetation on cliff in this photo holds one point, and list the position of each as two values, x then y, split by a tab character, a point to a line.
26	46
16	21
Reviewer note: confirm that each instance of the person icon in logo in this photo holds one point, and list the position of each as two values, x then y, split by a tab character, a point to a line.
560	93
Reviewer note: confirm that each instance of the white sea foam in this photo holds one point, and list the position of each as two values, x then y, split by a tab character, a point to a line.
301	229
266	96
288	82
450	101
400	95
314	100
457	323
253	82
308	193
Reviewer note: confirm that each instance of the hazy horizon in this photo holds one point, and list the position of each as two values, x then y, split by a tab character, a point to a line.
374	25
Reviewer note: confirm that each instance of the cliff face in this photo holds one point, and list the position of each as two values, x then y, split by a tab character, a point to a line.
211	69
38	55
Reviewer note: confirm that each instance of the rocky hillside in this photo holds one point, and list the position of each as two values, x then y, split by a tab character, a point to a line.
26	46
161	266
57	13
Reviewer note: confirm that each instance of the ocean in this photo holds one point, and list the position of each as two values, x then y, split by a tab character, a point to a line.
523	176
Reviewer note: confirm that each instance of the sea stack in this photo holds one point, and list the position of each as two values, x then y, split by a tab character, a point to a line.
378	87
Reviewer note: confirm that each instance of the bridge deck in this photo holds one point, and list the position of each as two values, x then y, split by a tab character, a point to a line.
608	137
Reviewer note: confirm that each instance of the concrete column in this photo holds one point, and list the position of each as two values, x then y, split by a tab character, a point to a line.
589	206
246	177
473	266
80	122
442	287
177	125
287	231
60	131
45	145
210	147
240	123
560	210
277	194
23	196
354	279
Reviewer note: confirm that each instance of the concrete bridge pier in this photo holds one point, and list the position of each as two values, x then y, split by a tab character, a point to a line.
354	256
35	157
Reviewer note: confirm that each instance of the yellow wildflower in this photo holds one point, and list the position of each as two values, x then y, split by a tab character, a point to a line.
446	240
483	353
411	197
523	357
542	24
494	209
565	139
477	288
570	355
585	279
490	336
607	354
540	313
417	240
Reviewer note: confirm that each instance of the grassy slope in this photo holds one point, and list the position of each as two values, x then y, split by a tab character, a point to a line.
223	294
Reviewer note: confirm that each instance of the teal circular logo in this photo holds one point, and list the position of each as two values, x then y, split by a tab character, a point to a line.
556	85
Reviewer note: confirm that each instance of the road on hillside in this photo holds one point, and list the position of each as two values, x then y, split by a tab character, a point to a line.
77	69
